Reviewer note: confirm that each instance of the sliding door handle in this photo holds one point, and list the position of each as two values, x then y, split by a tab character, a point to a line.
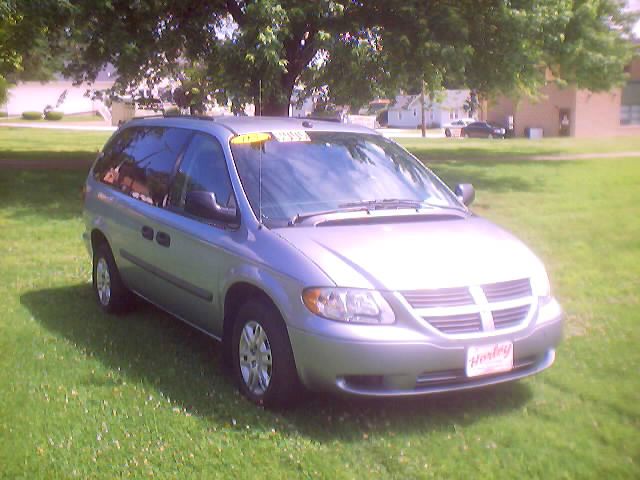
147	232
163	239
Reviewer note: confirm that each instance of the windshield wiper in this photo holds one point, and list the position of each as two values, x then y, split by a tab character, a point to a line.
353	208
399	203
384	203
368	205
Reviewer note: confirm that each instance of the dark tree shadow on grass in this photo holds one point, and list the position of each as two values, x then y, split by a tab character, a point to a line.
82	157
49	195
151	347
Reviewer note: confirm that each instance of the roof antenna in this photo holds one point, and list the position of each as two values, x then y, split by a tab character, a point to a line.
260	159
260	186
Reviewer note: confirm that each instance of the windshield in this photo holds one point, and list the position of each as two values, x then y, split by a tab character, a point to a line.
328	171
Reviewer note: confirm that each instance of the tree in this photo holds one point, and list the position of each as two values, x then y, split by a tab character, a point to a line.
32	41
471	104
258	50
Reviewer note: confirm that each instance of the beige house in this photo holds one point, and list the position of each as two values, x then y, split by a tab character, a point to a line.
35	96
574	112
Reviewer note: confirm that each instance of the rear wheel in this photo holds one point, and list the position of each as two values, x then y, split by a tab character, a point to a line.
263	363
447	133
110	292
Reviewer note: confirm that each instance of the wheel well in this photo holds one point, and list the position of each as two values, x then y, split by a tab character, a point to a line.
97	239
236	296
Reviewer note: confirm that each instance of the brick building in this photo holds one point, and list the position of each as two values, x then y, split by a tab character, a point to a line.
575	112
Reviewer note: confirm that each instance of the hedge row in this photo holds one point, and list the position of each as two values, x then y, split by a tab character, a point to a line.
53	115
32	115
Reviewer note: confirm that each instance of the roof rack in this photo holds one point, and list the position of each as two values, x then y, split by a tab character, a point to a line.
189	117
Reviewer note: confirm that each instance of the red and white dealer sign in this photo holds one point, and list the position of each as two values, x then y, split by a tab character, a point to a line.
487	359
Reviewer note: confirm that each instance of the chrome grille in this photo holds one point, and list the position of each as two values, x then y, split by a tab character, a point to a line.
458	376
465	323
509	317
499	292
457	311
443	297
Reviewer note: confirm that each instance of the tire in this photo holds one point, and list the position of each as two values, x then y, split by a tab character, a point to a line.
111	294
263	363
447	133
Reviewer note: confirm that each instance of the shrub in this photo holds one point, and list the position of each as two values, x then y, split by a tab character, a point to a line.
3	114
32	115
52	115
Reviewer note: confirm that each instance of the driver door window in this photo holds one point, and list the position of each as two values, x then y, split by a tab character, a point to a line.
204	169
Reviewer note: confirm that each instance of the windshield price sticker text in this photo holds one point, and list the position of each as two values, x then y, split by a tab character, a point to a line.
291	136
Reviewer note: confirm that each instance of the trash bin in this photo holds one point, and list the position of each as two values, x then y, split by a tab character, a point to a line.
533	132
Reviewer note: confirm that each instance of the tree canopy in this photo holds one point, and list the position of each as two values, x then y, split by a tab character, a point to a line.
32	40
353	50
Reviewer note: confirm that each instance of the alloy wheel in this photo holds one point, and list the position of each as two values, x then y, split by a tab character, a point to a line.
255	358
103	281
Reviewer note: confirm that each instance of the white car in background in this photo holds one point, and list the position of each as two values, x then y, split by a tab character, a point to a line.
453	129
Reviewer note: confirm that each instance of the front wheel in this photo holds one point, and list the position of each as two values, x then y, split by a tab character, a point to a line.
447	133
263	363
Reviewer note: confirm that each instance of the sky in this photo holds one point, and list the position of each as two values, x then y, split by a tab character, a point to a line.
635	5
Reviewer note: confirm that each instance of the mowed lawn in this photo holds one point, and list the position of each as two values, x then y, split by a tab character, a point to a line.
84	395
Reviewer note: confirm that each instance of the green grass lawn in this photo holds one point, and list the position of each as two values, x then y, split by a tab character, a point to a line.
513	149
84	395
27	144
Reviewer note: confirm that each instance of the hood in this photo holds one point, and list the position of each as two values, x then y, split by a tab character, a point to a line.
414	255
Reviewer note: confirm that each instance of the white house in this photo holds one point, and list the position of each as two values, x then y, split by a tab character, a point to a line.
405	111
35	96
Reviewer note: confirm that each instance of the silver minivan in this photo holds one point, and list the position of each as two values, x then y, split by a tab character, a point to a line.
323	256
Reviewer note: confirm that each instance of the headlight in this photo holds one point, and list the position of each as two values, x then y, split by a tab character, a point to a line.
349	305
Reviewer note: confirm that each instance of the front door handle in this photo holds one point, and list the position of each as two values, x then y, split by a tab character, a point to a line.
163	239
147	232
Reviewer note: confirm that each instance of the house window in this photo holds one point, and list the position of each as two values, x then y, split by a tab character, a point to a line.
399	115
630	104
414	112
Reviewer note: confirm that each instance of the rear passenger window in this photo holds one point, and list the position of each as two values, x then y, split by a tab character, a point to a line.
141	160
204	169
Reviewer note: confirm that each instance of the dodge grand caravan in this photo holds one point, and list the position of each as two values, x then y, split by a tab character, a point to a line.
322	255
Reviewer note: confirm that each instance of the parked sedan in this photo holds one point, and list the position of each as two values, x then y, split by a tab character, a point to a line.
482	130
453	129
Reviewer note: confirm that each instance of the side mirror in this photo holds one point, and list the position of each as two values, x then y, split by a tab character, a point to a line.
205	205
465	193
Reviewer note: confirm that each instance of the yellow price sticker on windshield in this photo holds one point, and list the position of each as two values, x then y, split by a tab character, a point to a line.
291	136
250	138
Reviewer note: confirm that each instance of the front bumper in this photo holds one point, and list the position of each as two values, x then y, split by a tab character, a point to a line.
427	365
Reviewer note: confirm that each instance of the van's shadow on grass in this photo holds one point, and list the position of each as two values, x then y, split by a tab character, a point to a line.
150	347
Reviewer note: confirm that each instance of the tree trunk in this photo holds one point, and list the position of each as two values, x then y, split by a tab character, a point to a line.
423	127
272	108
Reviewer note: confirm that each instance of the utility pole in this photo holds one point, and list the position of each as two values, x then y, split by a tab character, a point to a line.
422	123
